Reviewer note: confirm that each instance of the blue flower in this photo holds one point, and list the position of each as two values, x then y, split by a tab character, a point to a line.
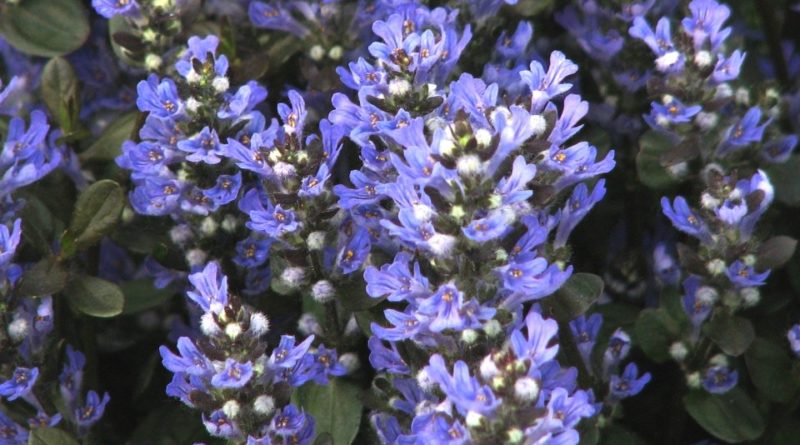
219	425
156	196
576	208
290	422
251	252
158	98
629	383
354	252
191	360
384	359
728	68
286	355
225	191
794	339
660	41
275	17
11	433
20	384
244	101
538	345
273	221
201	49
465	391
202	147
743	133
71	376
742	275
685	219
9	240
233	375
491	226
696	308
618	347
111	8
23	144
88	414
719	379
585	331
673	112
395	282
530	278
445	308
210	288
706	23
544	86
293	117
404	326
779	150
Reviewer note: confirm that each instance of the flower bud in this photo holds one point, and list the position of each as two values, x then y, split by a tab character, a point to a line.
231	409
399	87
316	240
308	325
706	121
703	59
709	202
665	62
515	435
336	52
350	362
678	351
152	62
743	96
208	325
293	276
18	329
715	267
208	226
180	234
488	368
424	380
538	124
526	389
264	405
323	291
259	324
706	295
469	165
229	223
469	336
492	328
474	419
233	330
316	53
693	380
483	137
750	296
196	257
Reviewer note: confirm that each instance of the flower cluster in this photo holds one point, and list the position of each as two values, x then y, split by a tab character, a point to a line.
227	374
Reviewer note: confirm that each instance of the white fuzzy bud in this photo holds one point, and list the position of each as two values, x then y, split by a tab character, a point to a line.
469	336
751	296
208	325
515	435
220	84
715	267
180	234
196	257
149	35
233	330
488	368
422	212
706	121
709	202
706	295
350	362
259	324
323	291
293	276
192	104
192	77
208	226
703	59
457	212
152	62
352	328
308	325
678	170
749	260
229	223
662	120
399	87
284	170
483	137
665	62
469	165
526	389
742	96
19	329
127	215
474	419
446	146
723	91
162	4
678	351
264	405
316	53
440	245
274	156
316	240
719	360
231	409
424	380
492	328
538	124
336	52
693	380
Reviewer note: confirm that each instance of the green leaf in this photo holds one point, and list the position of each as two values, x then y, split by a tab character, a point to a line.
336	408
654	332
141	295
96	212
38	224
731	333
770	369
618	435
95	296
45	28
775	252
732	416
185	427
786	181
60	92
107	146
652	147
121	26
47	277
353	296
50	436
576	296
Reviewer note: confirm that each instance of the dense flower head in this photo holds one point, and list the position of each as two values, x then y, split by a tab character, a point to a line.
228	365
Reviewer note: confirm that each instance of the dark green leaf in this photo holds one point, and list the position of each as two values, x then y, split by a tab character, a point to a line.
185	427
775	252
60	92
38	224
141	295
770	368
95	296
50	436
786	181
121	25
107	146
618	435
96	212
731	333
353	296
47	277
654	332
652	147
45	27
732	416
576	296
336	408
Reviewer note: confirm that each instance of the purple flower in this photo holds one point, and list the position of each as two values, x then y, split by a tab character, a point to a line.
191	360
11	433
719	379
445	309
22	144
273	221
545	86
744	132
794	339
286	355
706	22
395	281
233	375
728	68
779	150
742	275
404	326
219	425
384	359
584	331
71	376
685	219
465	391
673	112
202	147
629	383
355	252
20	384
9	240
698	309
156	196
111	8
201	49
538	345
210	288
88	414
530	278
158	98
251	252
660	41
618	347
275	17
576	208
